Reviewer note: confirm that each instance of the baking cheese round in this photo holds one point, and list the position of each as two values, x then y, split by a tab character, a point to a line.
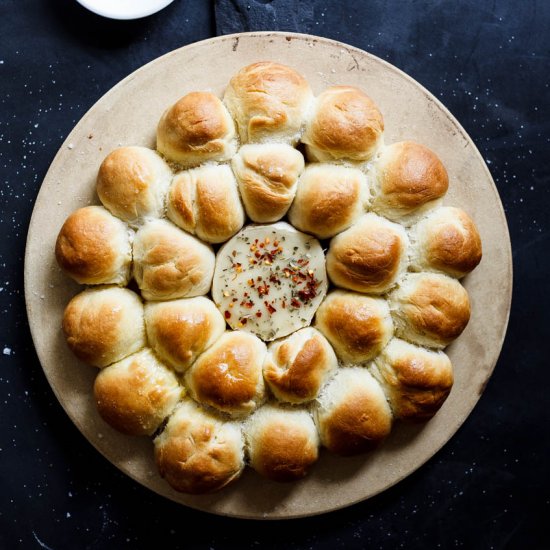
269	280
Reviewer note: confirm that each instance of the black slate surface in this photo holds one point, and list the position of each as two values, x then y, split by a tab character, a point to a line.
489	487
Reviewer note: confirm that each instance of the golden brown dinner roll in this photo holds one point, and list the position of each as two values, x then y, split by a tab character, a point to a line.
205	201
132	183
369	257
197	452
345	125
357	326
196	129
228	376
269	102
429	309
267	175
104	325
329	199
447	240
297	366
169	263
416	380
180	330
352	414
282	443
93	247
408	180
136	394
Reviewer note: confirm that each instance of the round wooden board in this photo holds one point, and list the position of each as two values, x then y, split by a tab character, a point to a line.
128	115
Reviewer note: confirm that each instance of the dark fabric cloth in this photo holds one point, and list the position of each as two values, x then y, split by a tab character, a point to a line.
264	15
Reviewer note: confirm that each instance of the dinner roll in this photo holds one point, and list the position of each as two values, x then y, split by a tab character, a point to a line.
93	247
297	366
196	129
352	414
205	201
408	180
345	125
269	102
136	394
448	241
180	330
416	380
267	175
228	375
169	263
282	443
329	199
104	325
197	452
357	326
370	256
429	309
132	183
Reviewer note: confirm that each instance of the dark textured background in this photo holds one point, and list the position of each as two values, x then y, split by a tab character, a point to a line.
489	487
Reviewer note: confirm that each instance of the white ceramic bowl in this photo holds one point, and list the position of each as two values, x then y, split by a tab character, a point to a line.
124	9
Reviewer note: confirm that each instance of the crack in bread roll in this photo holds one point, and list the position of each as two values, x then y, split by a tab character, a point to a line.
329	199
267	174
228	375
104	325
446	240
282	443
196	129
132	184
169	263
93	247
269	102
297	366
408	179
345	125
197	452
429	309
180	330
357	326
136	394
368	257
352	414
205	201
416	380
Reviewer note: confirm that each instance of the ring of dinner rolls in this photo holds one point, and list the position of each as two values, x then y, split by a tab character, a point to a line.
214	399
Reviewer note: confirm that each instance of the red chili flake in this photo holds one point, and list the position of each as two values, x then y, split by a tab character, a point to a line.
275	243
227	314
306	295
243	320
258	314
235	300
249	304
269	307
295	303
263	290
262	245
257	254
